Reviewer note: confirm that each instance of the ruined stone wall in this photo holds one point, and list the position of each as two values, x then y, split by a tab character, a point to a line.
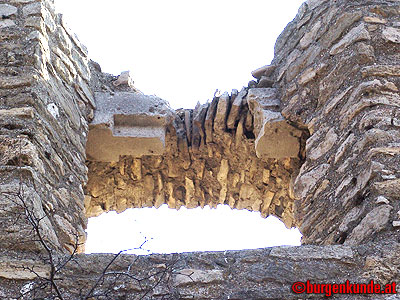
334	77
45	103
338	76
209	159
240	275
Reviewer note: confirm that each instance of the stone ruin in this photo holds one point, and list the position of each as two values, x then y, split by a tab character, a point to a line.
314	141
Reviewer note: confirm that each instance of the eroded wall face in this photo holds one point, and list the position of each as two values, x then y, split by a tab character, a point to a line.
45	102
241	275
338	74
209	159
334	75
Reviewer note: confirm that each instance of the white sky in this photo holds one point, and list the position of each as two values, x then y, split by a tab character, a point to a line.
182	51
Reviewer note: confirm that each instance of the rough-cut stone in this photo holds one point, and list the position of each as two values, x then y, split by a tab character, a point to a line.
351	216
191	276
329	140
6	23
275	137
234	113
312	252
32	9
127	124
307	76
22	112
312	4
305	182
310	36
382	200
7	10
343	193
391	34
357	34
263	71
11	82
124	79
396	224
375	221
221	113
381	70
342	23
23	270
375	20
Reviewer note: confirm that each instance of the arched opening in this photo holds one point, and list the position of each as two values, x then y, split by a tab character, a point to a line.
236	150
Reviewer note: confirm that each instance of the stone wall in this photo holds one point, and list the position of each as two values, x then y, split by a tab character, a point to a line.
209	156
313	141
240	275
336	69
45	104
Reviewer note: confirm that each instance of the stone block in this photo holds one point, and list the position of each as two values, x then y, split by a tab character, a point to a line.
391	34
12	82
275	137
373	222
7	10
338	252
358	33
263	71
191	276
6	23
127	124
23	270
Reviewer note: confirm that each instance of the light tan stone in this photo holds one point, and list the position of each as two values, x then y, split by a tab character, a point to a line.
391	34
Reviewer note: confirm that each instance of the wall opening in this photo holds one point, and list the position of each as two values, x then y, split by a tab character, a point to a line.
167	230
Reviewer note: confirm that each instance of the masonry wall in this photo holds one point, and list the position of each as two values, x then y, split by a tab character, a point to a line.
45	105
209	159
337	73
334	77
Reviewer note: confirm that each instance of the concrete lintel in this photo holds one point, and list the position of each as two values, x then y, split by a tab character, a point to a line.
127	123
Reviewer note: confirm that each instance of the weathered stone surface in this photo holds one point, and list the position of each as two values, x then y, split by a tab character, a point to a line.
304	182
307	76
32	9
358	33
328	252
391	34
381	70
275	137
312	4
124	79
342	23
11	82
221	113
310	36
234	114
7	10
21	112
263	71
329	140
262	273
23	270
127	124
345	192
6	23
209	121
191	276
375	20
375	221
